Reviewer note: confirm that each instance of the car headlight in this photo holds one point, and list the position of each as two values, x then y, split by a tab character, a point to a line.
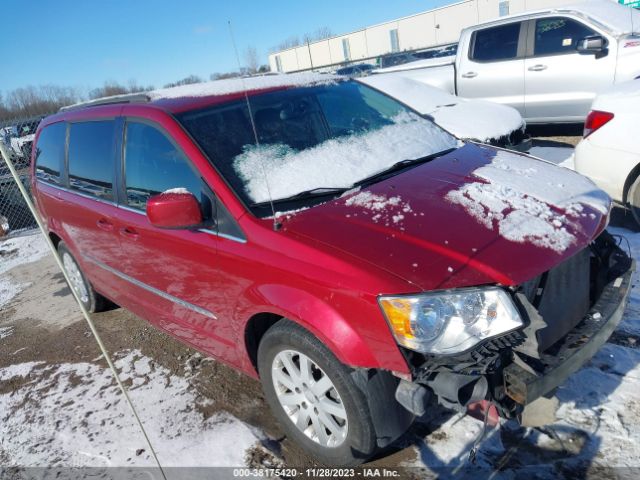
451	321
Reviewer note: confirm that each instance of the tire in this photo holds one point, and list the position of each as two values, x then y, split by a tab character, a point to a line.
633	200
91	300
354	439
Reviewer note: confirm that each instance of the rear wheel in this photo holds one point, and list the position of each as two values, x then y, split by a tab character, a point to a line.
92	300
314	396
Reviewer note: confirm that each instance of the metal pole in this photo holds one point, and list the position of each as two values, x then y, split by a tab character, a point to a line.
85	313
310	58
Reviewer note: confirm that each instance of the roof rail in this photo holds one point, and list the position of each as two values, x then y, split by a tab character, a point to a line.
126	98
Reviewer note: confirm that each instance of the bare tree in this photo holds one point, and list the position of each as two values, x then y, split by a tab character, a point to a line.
185	81
320	34
251	60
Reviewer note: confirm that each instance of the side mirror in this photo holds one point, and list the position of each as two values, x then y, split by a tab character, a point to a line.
174	209
591	44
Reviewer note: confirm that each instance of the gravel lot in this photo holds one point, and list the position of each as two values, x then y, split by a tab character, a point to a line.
60	407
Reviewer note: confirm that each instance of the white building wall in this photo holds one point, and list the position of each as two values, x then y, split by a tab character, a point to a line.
417	31
423	30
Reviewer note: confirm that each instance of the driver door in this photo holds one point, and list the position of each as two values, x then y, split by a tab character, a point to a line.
560	83
173	273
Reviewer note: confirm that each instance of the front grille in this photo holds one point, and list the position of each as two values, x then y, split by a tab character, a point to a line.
561	297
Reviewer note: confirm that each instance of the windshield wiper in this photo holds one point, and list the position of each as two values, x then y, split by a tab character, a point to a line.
402	164
315	192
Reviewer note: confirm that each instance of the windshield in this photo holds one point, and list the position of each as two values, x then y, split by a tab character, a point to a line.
328	136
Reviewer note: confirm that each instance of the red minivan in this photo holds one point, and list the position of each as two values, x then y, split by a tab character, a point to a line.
319	235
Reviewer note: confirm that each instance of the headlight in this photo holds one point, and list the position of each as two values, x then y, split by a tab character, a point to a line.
450	321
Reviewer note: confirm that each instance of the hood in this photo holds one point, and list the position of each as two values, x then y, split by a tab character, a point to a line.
478	215
464	118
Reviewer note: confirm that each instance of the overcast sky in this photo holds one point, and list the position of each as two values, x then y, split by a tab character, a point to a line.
83	43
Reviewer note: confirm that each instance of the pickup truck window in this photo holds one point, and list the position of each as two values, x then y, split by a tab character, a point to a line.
496	43
557	35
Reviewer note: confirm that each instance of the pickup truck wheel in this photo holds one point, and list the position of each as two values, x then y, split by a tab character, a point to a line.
92	300
314	397
633	200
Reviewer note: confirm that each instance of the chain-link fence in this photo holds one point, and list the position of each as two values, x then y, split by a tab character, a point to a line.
17	137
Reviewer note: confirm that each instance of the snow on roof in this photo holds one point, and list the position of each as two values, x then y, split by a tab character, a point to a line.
237	85
337	162
616	18
466	118
516	195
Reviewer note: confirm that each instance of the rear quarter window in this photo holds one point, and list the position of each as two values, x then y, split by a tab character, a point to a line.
92	157
496	43
50	152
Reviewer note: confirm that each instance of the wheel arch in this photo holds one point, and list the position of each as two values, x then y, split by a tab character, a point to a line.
635	173
315	315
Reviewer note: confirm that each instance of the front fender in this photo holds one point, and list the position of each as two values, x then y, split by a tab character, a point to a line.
321	318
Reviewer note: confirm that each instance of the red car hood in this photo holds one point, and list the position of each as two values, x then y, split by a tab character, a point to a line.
475	216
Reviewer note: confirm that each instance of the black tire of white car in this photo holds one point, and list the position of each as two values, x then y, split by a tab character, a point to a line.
633	199
91	300
287	341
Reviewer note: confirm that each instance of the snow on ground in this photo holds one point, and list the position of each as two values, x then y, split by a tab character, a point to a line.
73	414
18	251
598	423
337	162
631	242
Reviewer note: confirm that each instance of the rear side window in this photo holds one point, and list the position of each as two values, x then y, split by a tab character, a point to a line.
91	158
496	43
50	152
153	164
559	35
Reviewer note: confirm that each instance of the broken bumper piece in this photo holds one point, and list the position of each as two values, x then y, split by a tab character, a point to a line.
524	384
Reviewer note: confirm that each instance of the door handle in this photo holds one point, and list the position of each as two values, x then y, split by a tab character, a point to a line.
537	68
129	232
105	224
469	75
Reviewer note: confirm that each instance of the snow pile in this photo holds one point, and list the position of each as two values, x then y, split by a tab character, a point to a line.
529	200
73	414
235	85
337	162
519	218
18	251
462	117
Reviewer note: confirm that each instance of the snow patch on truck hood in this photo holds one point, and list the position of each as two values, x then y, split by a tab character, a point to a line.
473	119
528	200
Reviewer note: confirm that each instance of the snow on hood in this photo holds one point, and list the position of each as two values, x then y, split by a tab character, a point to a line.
236	85
529	200
337	162
473	119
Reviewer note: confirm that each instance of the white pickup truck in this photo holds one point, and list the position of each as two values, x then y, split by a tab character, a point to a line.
548	64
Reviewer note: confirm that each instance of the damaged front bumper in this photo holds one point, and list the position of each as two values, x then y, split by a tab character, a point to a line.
509	371
524	383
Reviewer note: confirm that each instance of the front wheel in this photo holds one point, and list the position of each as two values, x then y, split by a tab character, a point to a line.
314	396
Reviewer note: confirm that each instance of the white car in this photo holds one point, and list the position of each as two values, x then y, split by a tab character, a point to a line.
467	119
609	153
